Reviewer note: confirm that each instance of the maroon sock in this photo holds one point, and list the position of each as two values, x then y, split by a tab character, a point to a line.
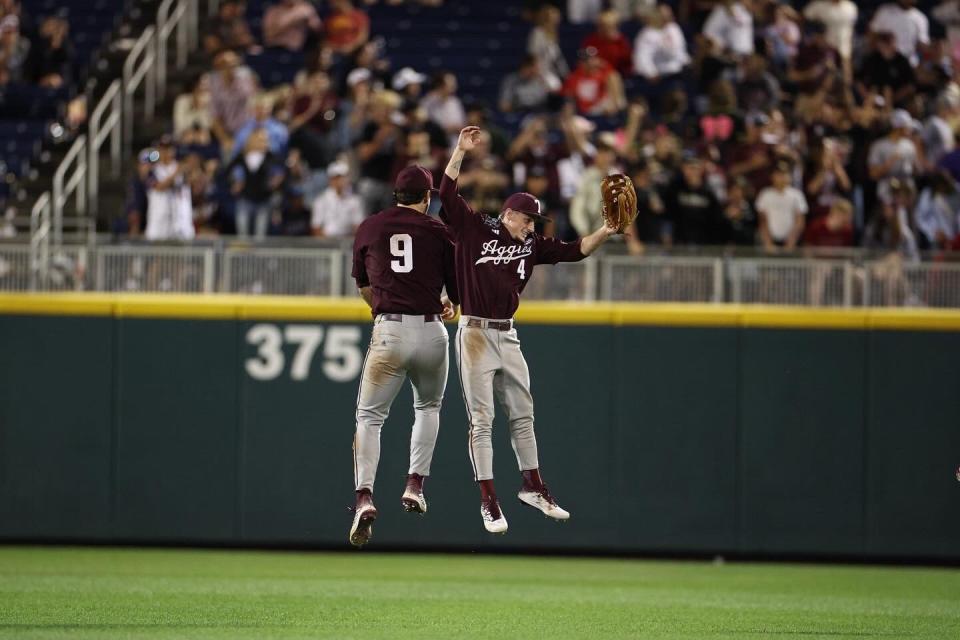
364	492
531	479
486	489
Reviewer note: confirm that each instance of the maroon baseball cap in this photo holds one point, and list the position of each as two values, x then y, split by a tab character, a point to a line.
525	203
414	178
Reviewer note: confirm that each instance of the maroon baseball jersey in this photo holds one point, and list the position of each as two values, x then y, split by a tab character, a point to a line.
406	258
492	267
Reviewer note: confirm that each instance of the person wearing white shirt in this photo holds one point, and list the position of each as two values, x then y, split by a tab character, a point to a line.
782	210
337	212
910	27
730	28
660	48
840	17
938	137
169	207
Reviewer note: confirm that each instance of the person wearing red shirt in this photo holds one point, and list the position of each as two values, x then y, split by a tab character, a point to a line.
611	45
347	28
832	230
595	85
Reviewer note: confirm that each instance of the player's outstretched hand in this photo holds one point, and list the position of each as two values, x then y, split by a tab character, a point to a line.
469	138
450	310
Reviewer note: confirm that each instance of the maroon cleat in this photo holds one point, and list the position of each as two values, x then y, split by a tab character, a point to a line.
364	513
413	500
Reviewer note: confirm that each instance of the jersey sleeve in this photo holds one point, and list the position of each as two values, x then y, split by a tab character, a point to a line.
455	212
552	251
359	271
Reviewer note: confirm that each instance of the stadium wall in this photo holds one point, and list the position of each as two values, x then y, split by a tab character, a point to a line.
679	429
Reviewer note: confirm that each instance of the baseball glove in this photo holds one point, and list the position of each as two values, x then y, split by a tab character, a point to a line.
619	201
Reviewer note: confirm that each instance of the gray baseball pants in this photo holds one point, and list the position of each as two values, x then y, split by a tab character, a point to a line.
490	363
410	347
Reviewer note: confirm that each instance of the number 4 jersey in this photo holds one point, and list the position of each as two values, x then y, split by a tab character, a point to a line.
406	258
492	267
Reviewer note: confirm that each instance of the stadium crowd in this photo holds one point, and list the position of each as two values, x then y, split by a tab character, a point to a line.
746	122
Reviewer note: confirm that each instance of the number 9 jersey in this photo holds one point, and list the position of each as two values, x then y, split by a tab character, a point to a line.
406	258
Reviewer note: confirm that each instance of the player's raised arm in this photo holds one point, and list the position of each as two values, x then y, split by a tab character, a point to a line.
456	212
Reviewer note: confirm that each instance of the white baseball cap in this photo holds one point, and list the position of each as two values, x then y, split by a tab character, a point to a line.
357	76
338	168
407	76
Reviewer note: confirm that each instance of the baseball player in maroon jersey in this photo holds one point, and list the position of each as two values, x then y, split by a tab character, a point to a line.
495	258
402	260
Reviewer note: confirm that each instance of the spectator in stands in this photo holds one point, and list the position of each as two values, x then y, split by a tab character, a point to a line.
839	17
337	212
256	174
278	136
730	29
938	136
886	71
610	43
583	11
890	230
758	90
827	180
191	111
199	175
229	29
648	225
288	23
595	86
947	13
693	211
525	89
586	206
537	184
938	214
740	215
443	106
232	90
782	209
377	149
910	28
660	50
815	64
317	128
894	156
750	157
835	229
544	45
51	55
533	147
783	35
169	208
14	49
409	84
135	205
370	57
346	28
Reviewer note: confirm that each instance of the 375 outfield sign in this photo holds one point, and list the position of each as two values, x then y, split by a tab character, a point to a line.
341	353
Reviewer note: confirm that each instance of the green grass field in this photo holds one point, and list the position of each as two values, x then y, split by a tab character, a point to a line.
131	593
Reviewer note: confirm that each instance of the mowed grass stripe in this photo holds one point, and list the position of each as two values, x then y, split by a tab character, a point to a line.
132	593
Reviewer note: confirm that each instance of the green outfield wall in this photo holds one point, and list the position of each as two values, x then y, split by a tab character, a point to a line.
661	428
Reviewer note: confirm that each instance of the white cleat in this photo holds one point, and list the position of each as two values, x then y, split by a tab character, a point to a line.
364	515
493	518
543	501
413	500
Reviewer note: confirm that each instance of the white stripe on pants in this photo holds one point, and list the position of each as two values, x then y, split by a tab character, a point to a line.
490	363
398	349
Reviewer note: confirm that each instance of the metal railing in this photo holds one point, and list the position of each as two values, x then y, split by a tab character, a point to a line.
139	66
170	18
819	283
662	279
100	130
40	240
324	270
316	272
155	269
69	178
